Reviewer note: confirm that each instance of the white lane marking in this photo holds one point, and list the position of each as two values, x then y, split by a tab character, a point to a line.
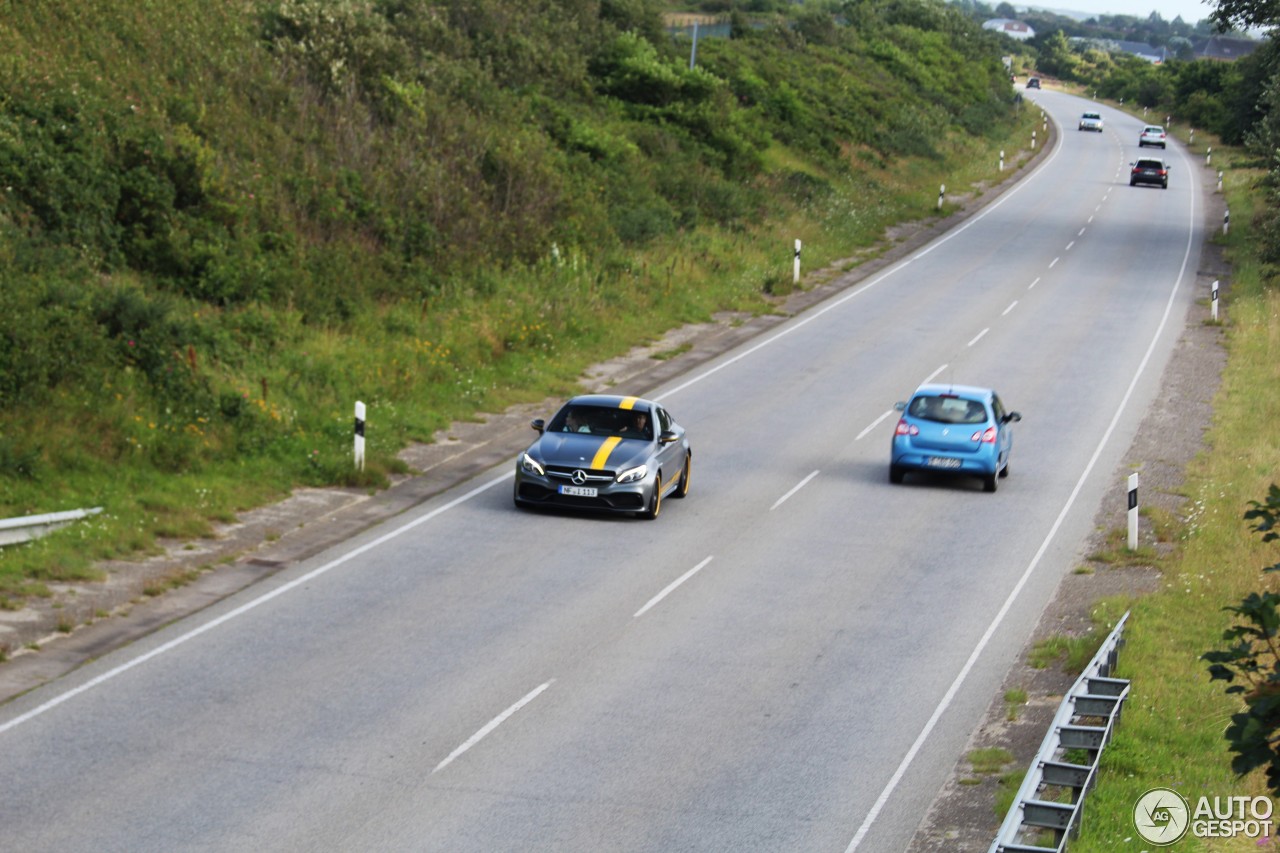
1069	245
931	376
247	606
1034	283
1089	220
1035	561
1010	308
671	587
1080	233
797	487
875	424
978	336
1054	263
491	725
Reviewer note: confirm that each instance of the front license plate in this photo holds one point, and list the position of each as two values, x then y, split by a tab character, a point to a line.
578	491
942	462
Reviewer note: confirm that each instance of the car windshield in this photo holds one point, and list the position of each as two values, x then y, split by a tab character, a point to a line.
947	409
1094	115
1150	164
603	420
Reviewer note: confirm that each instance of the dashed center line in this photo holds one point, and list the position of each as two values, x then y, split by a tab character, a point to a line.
671	587
491	725
978	336
874	424
797	487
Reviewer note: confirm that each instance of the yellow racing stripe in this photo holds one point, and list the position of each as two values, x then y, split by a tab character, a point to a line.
602	455
628	402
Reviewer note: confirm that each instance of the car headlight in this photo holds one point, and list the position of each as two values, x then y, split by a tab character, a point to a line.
632	475
529	465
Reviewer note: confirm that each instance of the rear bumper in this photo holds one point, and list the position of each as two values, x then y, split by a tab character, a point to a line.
909	458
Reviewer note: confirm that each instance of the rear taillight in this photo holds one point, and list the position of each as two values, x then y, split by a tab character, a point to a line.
989	436
905	428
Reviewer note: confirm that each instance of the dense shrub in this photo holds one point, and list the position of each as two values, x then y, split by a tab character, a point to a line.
194	202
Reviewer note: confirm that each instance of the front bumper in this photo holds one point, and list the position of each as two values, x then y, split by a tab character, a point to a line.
534	490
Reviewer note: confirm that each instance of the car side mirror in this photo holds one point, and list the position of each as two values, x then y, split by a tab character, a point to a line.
667	437
1013	416
538	424
900	406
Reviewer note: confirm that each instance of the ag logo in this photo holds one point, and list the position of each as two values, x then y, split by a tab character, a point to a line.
1161	816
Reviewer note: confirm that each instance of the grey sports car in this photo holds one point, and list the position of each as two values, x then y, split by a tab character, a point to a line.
603	452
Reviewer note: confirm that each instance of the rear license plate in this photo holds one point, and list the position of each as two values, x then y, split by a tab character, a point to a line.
578	491
942	462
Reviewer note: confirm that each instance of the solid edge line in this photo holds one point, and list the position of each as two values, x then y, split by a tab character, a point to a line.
670	588
246	607
1035	561
491	725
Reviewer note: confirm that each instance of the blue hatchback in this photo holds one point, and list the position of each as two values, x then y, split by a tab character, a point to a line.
953	429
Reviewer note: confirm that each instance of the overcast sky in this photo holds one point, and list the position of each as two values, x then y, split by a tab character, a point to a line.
1190	10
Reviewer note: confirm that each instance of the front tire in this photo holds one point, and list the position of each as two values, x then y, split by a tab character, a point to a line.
655	503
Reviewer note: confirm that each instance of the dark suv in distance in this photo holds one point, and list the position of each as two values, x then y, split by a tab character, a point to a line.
1149	170
1033	83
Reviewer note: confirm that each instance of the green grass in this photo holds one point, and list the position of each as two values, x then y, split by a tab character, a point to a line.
1171	733
1014	699
989	760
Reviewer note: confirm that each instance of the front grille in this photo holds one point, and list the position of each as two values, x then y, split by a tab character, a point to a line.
593	477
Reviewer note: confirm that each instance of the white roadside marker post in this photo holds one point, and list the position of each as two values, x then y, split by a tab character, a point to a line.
1133	512
359	446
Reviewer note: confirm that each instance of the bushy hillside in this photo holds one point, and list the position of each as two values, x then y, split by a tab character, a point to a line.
223	223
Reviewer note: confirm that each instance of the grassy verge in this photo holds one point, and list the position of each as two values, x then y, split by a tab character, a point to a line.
1172	730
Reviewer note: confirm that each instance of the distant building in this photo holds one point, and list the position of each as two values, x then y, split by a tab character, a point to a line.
1143	50
1226	48
1222	48
1011	28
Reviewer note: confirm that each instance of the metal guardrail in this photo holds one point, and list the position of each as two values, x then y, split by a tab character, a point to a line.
28	527
1051	797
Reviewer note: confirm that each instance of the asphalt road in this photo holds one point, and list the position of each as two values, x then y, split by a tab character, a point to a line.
790	659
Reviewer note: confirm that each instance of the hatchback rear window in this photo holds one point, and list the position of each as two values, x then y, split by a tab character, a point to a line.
947	409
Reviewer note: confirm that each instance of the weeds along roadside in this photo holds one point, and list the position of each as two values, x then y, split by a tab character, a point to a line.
480	345
1171	734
